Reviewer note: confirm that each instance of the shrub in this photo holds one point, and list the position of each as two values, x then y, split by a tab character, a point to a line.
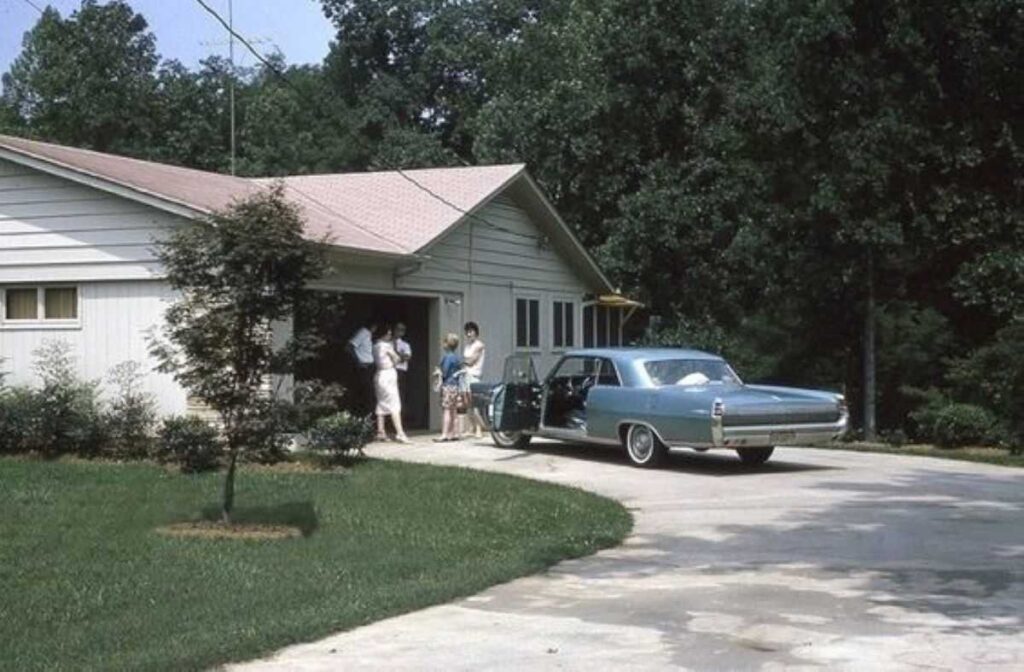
191	443
66	411
314	400
895	437
18	419
264	433
964	425
335	437
131	416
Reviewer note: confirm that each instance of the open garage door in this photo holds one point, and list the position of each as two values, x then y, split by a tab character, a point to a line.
337	324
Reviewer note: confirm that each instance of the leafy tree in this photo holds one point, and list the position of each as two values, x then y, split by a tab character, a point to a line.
86	80
239	272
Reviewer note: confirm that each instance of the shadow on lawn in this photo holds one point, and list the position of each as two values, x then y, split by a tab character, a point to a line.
300	515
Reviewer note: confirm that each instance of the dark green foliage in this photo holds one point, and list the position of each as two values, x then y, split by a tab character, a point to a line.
993	376
191	443
752	172
18	419
238	272
335	438
64	415
964	425
312	400
86	80
130	415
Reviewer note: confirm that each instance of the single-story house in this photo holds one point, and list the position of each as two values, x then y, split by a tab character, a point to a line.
448	245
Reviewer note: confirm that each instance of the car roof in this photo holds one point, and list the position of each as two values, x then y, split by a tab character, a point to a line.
635	353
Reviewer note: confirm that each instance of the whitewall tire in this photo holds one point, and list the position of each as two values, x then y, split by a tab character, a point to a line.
643	446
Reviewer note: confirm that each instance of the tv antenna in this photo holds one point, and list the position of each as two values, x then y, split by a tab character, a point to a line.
231	64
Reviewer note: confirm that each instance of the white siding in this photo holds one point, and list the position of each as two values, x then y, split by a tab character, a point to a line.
115	319
54	230
487	262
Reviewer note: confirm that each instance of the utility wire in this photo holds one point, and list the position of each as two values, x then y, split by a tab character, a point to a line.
270	66
33	5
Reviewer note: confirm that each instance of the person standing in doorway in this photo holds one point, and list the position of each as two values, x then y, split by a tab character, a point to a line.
360	348
404	351
473	359
385	383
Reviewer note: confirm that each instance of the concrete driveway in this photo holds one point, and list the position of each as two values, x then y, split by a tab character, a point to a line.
817	559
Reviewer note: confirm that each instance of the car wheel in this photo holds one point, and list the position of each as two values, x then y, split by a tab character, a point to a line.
643	446
511	440
755	455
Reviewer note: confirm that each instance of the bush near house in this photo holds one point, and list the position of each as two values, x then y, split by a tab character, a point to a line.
191	443
334	438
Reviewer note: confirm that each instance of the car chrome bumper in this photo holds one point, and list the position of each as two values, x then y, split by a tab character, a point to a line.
778	435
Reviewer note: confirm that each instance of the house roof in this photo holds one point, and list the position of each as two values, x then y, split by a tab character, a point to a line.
384	213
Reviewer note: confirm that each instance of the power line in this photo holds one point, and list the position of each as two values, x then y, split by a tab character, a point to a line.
270	66
33	5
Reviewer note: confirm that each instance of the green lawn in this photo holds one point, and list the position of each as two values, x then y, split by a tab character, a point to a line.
87	584
999	456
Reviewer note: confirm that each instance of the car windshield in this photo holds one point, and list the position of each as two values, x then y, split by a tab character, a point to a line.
690	372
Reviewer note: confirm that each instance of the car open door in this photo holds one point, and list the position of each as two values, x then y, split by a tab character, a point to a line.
515	404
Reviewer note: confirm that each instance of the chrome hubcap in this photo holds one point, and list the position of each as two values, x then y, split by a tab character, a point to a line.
641	443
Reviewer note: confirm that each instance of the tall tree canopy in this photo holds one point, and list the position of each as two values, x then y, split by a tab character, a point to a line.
830	192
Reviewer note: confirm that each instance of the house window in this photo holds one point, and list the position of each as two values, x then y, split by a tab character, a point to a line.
60	303
563	324
602	326
21	304
527	323
40	306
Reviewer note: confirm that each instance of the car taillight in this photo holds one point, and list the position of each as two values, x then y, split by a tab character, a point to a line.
717	408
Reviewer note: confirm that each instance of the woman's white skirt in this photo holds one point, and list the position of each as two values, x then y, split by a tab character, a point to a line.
385	382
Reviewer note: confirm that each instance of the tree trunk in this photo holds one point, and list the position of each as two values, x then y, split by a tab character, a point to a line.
229	488
870	426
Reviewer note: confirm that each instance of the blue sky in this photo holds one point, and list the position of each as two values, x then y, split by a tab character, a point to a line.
186	32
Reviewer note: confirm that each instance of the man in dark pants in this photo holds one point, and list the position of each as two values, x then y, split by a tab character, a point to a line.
360	347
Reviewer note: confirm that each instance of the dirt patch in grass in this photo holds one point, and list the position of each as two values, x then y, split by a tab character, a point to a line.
208	529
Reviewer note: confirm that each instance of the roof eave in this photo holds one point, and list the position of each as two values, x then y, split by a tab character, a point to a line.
60	169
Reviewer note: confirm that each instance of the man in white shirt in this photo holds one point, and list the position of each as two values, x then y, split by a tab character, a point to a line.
360	347
404	351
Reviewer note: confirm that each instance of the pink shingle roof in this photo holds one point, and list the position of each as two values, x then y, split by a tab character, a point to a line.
394	210
381	212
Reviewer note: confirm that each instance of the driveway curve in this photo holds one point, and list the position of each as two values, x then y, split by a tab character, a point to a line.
817	559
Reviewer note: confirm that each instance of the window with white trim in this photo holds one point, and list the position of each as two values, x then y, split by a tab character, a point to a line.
602	326
31	306
563	324
527	323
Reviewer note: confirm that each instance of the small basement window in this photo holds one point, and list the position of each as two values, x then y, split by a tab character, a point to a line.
39	306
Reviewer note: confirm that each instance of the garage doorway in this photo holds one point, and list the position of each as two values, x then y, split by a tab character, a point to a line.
337	324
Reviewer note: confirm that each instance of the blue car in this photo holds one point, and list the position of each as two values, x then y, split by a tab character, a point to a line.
651	400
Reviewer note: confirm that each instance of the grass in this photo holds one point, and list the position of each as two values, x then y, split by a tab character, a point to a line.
1000	456
88	584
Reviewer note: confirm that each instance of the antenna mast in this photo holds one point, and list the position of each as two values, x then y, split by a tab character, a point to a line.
231	84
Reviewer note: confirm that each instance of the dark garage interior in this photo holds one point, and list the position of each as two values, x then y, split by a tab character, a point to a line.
337	323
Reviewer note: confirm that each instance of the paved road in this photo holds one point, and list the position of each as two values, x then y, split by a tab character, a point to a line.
817	559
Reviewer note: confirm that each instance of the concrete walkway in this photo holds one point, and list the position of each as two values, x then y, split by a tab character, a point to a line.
817	559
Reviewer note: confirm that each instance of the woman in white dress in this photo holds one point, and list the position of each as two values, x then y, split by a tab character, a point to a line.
473	358
385	384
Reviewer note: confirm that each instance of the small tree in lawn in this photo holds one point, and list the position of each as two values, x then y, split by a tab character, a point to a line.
238	272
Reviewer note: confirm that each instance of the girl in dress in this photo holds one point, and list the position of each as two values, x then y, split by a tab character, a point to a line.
385	384
449	371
